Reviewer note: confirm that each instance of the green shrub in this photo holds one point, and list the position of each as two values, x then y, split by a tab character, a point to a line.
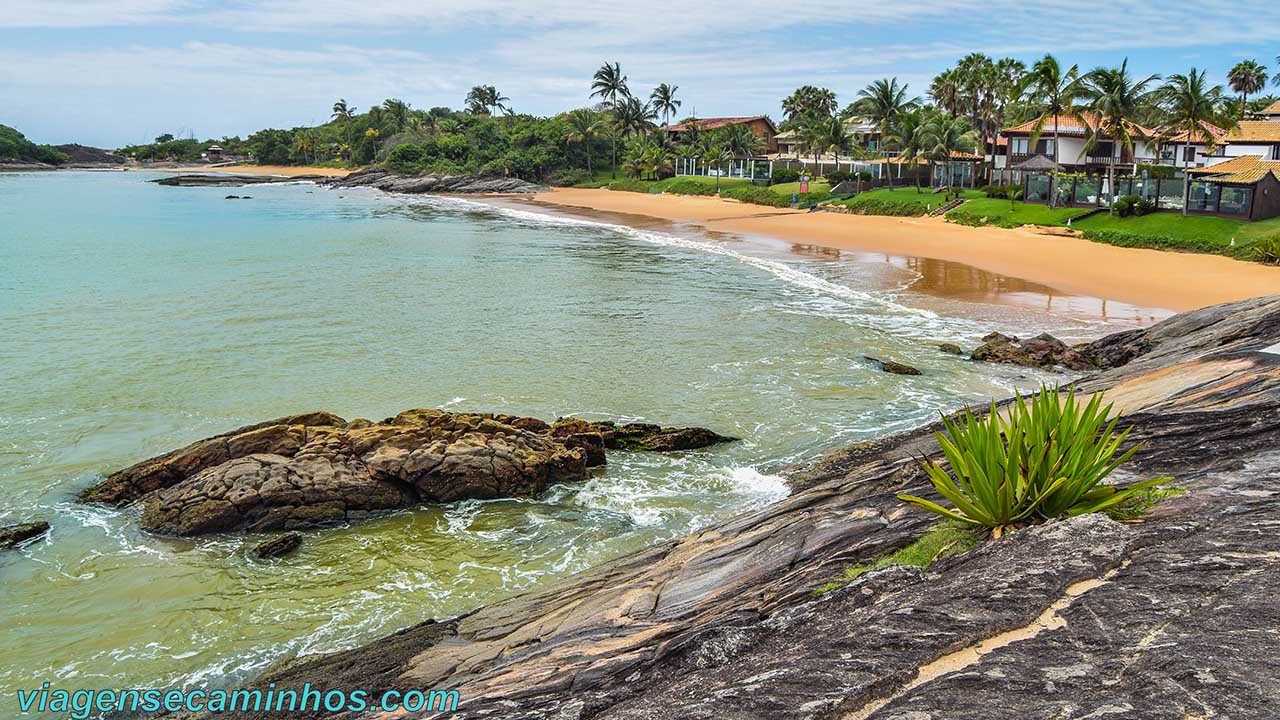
863	205
835	177
1122	238
685	186
999	191
1142	206
1268	249
785	175
569	177
1122	208
630	185
962	217
756	195
1046	460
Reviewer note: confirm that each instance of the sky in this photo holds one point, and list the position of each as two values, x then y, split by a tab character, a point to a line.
115	72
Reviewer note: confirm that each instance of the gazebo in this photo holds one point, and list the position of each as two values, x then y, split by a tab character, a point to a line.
1038	166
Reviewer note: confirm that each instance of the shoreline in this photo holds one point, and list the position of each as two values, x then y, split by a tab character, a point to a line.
1154	279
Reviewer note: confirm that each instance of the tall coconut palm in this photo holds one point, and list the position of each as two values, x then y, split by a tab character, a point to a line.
1054	92
945	91
1117	99
882	102
909	134
808	100
634	117
1247	77
827	135
342	112
583	127
664	101
609	84
1192	103
945	136
486	100
396	113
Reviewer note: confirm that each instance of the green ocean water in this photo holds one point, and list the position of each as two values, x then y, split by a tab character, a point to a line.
136	318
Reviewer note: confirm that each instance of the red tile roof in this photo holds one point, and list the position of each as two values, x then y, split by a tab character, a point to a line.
1070	125
713	123
1208	129
1272	109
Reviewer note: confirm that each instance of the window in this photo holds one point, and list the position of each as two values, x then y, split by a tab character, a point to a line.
1048	148
1189	153
1021	146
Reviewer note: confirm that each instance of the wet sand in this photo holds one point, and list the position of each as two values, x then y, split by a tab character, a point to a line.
1090	272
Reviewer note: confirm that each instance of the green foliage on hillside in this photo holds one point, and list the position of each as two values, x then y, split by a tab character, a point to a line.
15	146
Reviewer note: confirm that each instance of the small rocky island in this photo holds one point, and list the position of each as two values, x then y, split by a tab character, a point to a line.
316	468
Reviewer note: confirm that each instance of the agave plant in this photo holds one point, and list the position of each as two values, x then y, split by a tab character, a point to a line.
1045	459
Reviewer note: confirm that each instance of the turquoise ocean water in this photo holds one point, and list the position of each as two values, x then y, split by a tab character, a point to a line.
136	318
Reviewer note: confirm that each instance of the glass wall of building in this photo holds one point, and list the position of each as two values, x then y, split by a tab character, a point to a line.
1037	188
1086	191
1235	200
1203	197
1170	195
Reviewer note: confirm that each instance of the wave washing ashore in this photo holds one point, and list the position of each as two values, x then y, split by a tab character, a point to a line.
1148	278
141	335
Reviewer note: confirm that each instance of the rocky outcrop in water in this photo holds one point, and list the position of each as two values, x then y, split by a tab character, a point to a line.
317	468
1040	351
891	367
1087	618
416	184
12	536
278	546
230	180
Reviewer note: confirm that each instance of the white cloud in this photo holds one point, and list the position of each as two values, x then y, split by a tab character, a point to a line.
728	56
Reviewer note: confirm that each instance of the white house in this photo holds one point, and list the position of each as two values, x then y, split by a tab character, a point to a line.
1072	133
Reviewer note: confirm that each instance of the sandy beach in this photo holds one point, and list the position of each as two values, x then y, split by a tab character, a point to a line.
1149	278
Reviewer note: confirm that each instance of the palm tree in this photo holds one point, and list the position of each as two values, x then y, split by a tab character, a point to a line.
1117	99
583	126
634	117
1055	92
1275	79
944	136
609	84
396	112
664	100
827	135
1192	103
909	134
882	102
945	91
484	99
809	100
716	154
342	112
304	142
1247	77
739	140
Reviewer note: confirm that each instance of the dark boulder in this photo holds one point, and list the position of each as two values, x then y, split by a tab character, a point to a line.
1040	351
951	349
278	546
889	366
12	536
650	437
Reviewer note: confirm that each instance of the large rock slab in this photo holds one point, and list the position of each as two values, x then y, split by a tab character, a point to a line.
1171	618
389	181
317	468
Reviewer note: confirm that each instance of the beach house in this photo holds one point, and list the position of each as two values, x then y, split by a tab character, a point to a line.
1075	155
761	126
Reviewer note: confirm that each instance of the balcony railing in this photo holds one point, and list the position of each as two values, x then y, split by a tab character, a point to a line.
1102	160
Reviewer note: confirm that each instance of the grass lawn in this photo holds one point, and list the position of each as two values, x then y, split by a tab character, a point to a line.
1193	226
1160	230
996	211
793	188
